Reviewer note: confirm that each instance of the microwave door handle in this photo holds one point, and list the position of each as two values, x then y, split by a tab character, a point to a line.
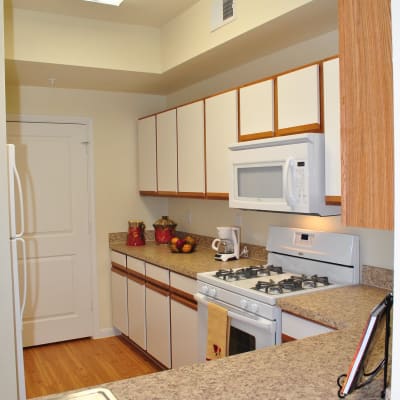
289	182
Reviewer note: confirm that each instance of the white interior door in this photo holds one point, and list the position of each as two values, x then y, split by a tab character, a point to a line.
52	161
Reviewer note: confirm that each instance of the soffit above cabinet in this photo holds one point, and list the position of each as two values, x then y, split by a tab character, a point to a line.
311	20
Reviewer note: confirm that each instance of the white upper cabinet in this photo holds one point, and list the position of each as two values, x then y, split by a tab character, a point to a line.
147	150
332	129
191	174
221	132
167	156
257	110
298	101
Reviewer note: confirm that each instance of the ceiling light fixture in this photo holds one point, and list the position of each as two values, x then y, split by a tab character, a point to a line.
108	2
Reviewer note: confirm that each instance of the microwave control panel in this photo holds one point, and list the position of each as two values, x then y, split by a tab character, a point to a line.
299	183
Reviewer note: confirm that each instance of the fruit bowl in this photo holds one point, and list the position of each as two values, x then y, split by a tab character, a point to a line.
185	245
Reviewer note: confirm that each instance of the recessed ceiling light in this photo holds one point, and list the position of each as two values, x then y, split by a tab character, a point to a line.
109	2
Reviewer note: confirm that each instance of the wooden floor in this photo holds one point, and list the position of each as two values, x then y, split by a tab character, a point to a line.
59	367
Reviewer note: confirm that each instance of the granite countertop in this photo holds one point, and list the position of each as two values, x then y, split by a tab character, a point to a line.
301	369
188	264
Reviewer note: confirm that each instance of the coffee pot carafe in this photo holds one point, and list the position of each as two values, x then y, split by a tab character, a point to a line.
227	244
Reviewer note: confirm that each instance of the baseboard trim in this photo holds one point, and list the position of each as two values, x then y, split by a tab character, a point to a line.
106	332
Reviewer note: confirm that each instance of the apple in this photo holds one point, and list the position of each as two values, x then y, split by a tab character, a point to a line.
174	240
179	244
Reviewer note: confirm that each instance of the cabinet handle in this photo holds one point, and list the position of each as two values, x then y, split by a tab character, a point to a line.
118	271
184	301
136	279
157	289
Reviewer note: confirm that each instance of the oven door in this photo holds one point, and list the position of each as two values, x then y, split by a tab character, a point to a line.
247	331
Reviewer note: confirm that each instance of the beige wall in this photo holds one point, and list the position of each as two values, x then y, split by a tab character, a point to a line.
114	118
178	48
51	38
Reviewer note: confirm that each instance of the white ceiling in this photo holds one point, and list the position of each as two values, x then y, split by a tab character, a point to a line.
140	12
316	18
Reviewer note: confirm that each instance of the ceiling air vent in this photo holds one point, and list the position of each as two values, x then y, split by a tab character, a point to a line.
223	12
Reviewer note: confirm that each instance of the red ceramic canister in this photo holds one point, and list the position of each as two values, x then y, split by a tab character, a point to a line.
164	230
136	233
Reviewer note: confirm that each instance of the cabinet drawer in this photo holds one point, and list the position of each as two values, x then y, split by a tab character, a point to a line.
118	258
136	265
157	273
183	283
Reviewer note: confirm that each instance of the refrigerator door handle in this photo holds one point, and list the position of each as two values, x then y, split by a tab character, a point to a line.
21	202
24	275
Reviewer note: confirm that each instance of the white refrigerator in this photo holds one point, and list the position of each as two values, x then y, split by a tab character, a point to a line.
18	262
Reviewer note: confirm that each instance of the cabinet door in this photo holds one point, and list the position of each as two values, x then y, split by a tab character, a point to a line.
184	328
191	174
366	91
119	300
256	110
158	324
298	100
167	156
183	332
221	132
147	149
333	173
137	310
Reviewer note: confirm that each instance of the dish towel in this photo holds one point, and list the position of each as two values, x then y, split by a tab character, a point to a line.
218	329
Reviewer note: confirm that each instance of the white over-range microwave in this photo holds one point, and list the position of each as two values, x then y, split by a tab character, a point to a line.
282	174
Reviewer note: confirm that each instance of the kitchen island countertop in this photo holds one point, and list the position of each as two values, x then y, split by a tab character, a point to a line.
301	369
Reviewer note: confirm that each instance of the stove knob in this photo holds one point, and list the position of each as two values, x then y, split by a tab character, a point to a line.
212	292
244	303
204	289
253	307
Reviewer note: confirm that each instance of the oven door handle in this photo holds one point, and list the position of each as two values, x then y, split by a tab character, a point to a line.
250	319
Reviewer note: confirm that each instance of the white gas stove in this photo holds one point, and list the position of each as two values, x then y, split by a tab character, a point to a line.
299	261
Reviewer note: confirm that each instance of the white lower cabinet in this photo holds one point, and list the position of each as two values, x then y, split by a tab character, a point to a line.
137	301
158	329
299	328
156	309
183	321
119	301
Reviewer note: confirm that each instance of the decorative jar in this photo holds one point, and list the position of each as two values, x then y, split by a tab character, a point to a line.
164	230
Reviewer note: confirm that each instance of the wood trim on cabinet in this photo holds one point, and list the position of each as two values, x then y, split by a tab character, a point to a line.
333	200
184	301
287	338
148	193
217	196
192	195
253	136
310	128
276	126
321	97
155	282
122	268
136	277
119	271
181	293
166	193
157	289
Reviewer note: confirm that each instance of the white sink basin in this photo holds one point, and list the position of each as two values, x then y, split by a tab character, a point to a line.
89	394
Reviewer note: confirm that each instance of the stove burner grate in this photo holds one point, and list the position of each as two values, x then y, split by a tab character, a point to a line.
292	284
248	272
